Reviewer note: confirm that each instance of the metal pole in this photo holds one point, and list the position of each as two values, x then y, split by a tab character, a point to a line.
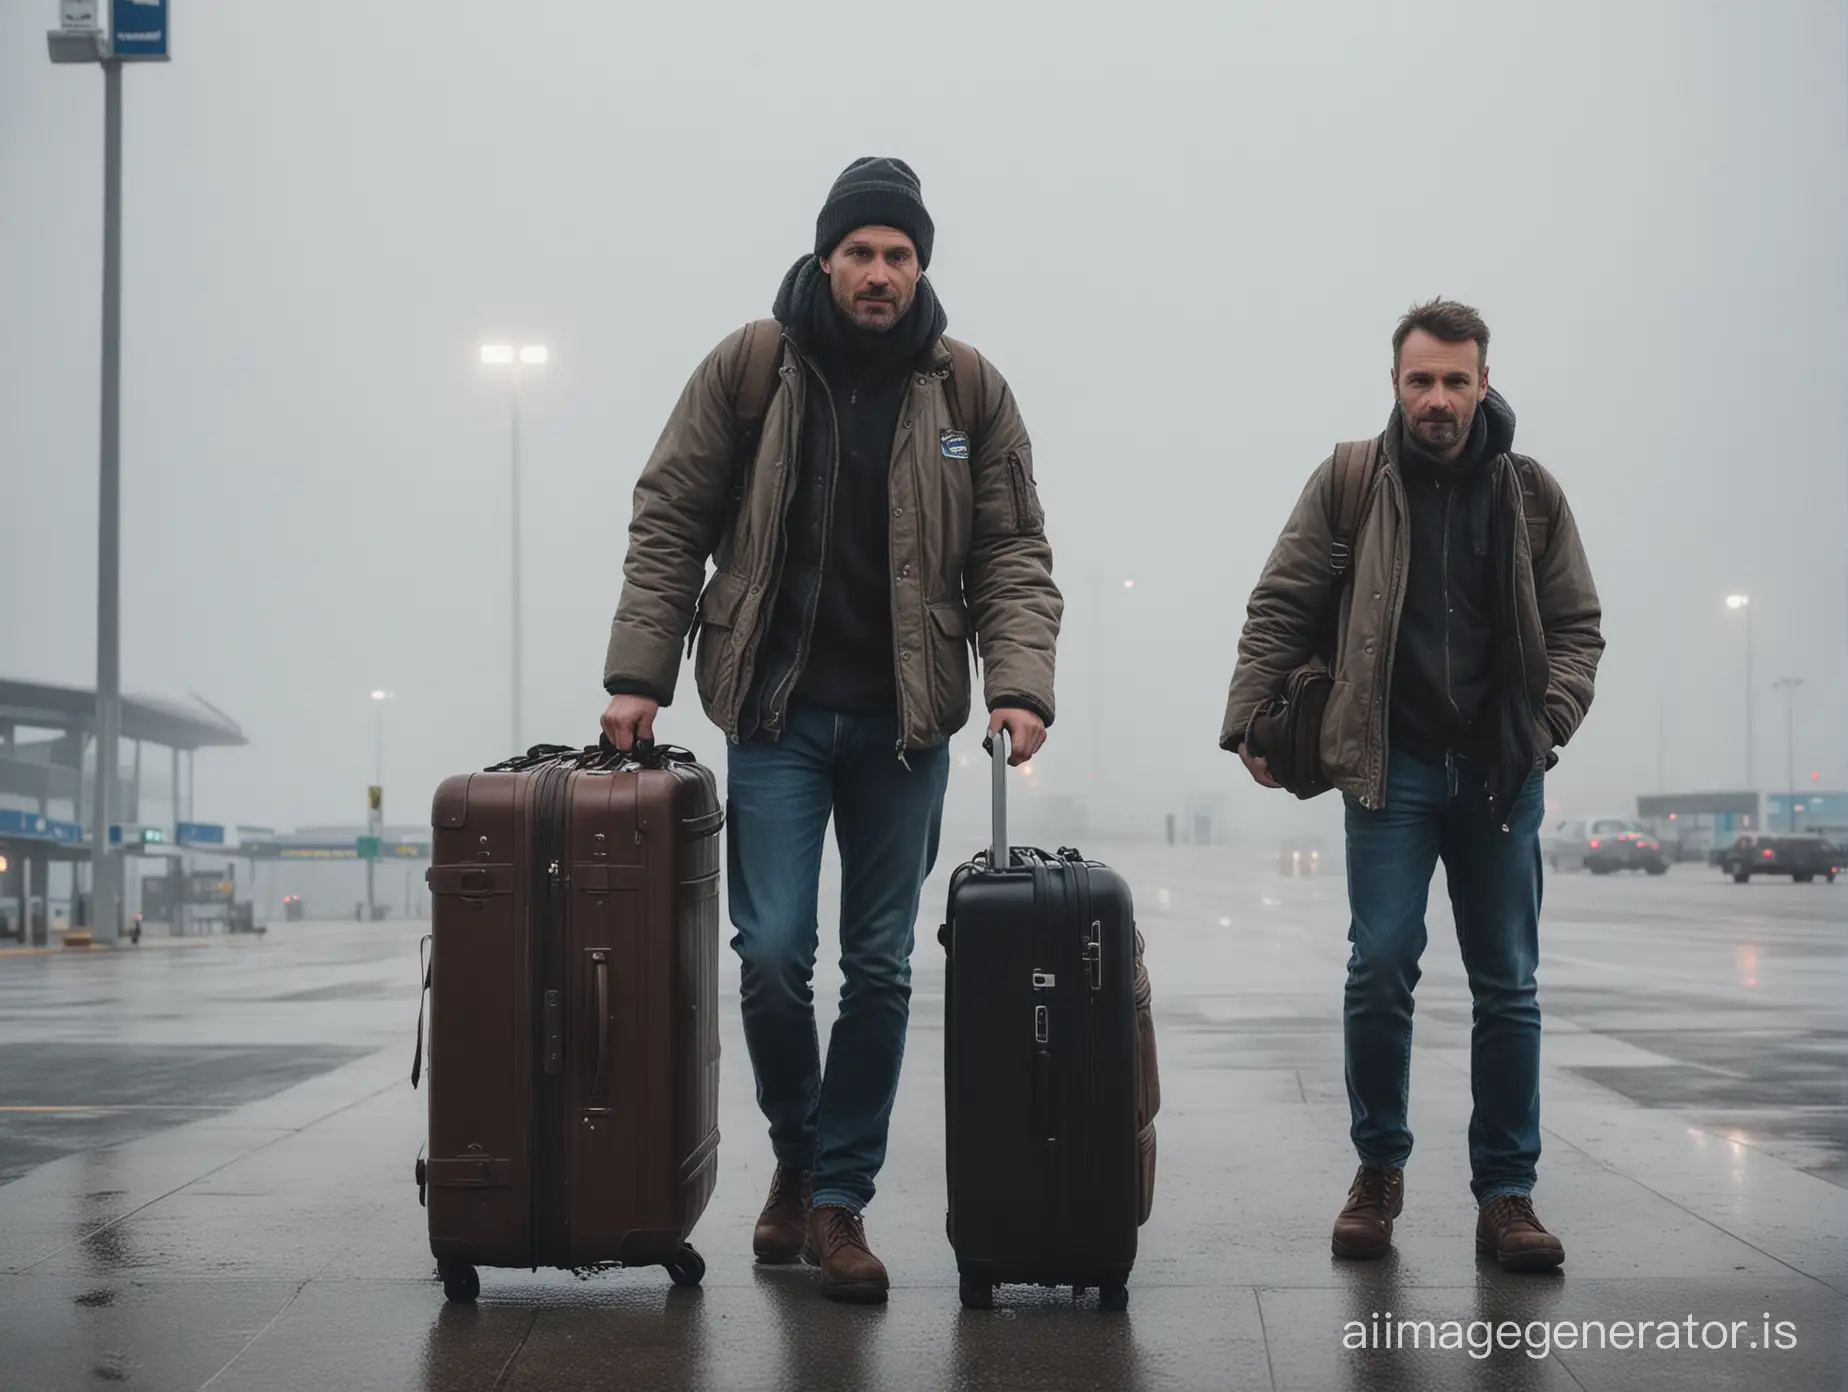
1661	742
105	892
1751	782
514	412
376	824
176	910
1790	751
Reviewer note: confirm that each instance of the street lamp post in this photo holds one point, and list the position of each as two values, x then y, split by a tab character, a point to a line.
1789	685
1740	603
503	355
80	38
375	815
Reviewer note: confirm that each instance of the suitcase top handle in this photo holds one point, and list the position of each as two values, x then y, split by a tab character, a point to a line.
999	746
600	757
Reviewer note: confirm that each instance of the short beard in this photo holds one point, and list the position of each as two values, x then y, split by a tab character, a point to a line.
1462	425
850	311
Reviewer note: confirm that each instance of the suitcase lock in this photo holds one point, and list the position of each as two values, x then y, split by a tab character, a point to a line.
1042	981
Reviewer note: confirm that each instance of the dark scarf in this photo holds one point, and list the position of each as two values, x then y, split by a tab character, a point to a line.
805	307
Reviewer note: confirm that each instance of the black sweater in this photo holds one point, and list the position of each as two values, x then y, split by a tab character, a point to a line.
1445	667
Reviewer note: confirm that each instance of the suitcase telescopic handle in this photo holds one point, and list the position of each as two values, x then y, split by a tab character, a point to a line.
999	747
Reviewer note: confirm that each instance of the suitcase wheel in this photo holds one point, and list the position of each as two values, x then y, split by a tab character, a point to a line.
1114	1297
977	1295
687	1267
460	1282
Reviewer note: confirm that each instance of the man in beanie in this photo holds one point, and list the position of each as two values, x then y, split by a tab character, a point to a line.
865	488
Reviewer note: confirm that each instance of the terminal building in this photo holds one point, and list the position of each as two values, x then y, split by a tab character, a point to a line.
48	781
179	871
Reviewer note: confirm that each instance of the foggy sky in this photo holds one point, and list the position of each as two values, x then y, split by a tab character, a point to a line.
1183	232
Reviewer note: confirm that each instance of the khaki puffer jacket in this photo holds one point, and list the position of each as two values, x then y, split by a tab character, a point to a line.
971	565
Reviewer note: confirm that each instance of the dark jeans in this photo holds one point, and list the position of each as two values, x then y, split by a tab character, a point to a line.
1434	813
886	823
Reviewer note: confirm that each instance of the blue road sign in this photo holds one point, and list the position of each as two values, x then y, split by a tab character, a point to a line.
139	28
29	826
199	834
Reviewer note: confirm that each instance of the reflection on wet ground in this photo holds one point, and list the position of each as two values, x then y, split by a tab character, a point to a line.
205	1173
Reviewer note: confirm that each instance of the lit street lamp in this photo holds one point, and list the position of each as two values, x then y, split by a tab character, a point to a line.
504	355
1743	604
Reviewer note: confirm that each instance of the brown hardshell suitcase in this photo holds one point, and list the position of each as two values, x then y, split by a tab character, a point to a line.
574	1050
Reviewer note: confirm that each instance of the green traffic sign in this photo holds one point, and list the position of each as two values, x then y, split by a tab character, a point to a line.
368	847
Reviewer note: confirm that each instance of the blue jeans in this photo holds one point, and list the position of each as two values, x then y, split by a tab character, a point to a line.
1434	813
886	822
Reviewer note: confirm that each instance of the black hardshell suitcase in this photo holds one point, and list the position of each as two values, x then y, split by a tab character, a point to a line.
1050	1166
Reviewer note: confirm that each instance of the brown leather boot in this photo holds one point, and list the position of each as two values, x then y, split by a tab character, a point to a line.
1364	1229
1507	1229
849	1270
782	1227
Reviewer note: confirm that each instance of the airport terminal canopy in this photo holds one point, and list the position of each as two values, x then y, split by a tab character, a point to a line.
183	725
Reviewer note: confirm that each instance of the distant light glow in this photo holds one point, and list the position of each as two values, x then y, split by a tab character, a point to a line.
1129	584
497	352
535	355
1738	601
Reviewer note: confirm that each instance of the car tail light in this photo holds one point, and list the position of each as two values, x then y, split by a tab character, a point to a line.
1769	853
1594	843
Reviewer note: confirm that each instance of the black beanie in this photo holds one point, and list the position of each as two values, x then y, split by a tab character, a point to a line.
873	192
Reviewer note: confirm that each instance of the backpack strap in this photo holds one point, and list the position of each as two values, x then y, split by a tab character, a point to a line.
1533	505
756	384
966	389
1357	467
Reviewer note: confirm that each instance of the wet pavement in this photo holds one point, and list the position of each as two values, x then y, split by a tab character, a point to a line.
206	1156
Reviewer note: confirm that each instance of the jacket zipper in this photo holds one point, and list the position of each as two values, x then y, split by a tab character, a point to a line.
1450	681
550	801
906	411
774	715
1523	707
1395	606
747	659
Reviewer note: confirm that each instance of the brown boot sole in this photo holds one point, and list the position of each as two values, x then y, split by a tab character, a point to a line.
1541	1260
1349	1252
778	1253
856	1292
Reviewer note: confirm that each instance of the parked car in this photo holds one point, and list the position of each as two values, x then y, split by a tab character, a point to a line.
1802	858
1603	845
